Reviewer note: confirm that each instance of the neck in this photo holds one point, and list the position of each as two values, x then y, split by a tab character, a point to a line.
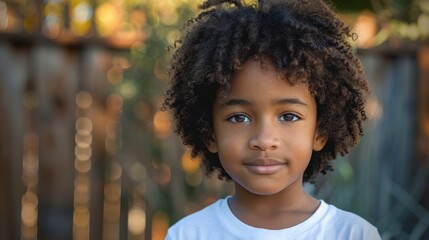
288	199
280	210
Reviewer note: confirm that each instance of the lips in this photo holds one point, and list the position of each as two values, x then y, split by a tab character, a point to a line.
264	166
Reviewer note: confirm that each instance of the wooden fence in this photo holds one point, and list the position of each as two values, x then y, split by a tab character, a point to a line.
59	175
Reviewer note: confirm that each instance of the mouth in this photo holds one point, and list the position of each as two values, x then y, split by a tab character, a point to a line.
264	166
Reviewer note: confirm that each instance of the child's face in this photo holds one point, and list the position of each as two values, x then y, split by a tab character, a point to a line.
265	130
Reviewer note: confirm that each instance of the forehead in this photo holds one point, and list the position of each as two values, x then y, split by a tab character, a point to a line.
260	80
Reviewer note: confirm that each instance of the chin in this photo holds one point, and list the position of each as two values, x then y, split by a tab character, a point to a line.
264	190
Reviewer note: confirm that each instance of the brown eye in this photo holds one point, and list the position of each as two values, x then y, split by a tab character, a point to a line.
289	117
239	118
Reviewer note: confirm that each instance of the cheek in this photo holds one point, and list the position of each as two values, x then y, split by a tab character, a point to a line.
230	148
301	147
229	136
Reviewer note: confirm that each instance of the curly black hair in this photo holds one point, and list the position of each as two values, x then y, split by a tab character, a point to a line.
305	40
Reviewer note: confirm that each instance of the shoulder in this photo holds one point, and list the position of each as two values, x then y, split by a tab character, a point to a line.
348	224
206	214
201	222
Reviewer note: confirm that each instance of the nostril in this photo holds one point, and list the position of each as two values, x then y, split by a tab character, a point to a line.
264	144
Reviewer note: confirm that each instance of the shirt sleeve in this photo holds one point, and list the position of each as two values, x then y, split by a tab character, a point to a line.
373	235
168	237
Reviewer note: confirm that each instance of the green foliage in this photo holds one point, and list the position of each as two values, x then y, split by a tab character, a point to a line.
145	158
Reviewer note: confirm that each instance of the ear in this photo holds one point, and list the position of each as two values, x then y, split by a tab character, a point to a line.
319	141
212	145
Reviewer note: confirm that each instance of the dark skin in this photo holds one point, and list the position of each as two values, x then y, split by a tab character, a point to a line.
272	212
265	131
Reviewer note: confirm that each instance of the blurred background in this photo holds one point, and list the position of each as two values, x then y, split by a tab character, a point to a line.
85	152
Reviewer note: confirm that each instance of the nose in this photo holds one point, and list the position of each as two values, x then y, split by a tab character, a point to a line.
264	137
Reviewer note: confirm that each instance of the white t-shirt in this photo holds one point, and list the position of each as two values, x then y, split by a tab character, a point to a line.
217	222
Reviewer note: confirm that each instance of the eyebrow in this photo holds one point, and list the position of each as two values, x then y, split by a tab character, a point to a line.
233	102
281	101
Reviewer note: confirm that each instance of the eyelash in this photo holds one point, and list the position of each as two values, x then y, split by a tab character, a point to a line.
294	117
233	118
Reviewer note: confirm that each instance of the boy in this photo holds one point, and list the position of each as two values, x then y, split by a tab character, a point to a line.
268	95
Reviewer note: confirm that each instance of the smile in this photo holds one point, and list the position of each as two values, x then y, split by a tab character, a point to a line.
264	166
